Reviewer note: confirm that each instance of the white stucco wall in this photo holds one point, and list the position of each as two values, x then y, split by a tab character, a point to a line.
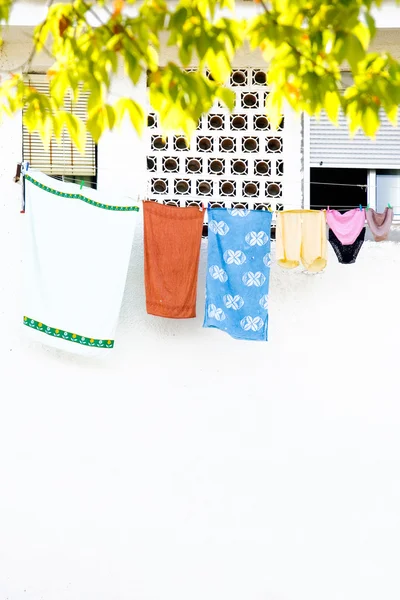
190	465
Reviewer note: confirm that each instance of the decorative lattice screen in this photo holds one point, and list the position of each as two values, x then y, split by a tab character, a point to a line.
232	160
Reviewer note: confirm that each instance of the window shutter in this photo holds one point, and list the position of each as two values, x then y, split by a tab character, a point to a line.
59	158
333	147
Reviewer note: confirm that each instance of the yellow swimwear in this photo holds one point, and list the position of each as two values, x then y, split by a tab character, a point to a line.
301	236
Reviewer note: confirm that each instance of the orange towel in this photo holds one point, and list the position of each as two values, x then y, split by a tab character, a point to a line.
172	238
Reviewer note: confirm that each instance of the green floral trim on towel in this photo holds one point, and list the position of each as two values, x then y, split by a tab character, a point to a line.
80	197
66	335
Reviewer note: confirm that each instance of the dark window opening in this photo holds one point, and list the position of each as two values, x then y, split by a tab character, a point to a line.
338	188
89	181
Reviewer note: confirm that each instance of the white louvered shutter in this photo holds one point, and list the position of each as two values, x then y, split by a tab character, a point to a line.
59	158
333	147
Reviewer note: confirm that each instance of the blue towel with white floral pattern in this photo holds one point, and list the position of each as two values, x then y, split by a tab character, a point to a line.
239	259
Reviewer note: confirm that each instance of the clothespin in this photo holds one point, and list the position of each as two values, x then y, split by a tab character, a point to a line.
329	208
389	205
360	207
82	183
17	175
367	207
24	169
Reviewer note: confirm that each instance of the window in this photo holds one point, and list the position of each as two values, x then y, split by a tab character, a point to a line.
344	189
61	160
388	190
347	80
338	188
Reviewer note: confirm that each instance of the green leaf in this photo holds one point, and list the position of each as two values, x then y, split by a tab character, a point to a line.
178	19
132	67
371	24
354	52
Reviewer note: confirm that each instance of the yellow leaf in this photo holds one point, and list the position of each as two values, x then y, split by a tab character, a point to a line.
392	114
58	123
76	130
363	34
332	106
46	130
219	65
354	121
273	107
370	121
134	110
111	118
228	97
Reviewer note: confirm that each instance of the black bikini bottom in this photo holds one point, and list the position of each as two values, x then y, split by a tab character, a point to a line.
347	254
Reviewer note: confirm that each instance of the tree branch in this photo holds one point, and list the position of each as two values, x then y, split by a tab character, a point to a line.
295	49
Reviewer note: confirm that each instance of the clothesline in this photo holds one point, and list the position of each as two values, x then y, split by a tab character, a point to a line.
185	175
238	261
359	185
92	185
201	199
69	178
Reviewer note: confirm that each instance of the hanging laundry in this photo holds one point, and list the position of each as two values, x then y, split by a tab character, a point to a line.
346	233
172	239
346	226
301	236
77	251
347	253
380	223
238	267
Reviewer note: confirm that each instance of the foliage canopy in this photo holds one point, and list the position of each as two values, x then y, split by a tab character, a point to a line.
305	43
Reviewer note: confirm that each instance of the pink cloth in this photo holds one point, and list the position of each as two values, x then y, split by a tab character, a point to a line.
346	226
380	223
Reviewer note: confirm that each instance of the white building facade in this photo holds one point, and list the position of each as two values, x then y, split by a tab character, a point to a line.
193	466
233	159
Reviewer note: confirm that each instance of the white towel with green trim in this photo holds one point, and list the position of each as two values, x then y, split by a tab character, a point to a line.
76	258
